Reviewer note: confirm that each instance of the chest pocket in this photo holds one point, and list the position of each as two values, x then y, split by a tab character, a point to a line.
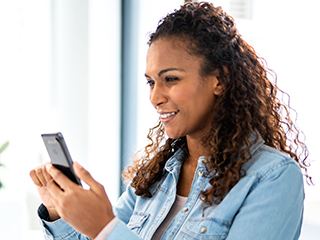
137	221
208	228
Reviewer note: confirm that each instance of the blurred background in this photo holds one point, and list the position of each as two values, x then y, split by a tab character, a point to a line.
77	67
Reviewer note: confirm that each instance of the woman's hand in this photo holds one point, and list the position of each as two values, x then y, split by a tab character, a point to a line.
41	177
88	211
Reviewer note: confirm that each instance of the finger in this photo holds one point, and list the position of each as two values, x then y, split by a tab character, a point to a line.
34	178
39	173
55	191
46	175
56	196
62	180
87	178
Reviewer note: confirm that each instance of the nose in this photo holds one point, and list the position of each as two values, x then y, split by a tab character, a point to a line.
158	95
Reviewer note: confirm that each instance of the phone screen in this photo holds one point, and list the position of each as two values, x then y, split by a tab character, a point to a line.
59	155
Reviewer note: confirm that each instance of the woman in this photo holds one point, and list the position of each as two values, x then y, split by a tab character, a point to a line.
224	162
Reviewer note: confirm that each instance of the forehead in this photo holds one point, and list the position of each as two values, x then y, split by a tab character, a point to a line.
164	53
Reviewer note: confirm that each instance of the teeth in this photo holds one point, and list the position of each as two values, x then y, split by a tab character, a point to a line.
166	115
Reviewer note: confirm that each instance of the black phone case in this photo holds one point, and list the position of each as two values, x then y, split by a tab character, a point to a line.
59	155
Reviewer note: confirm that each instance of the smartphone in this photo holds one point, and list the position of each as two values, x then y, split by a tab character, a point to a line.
59	155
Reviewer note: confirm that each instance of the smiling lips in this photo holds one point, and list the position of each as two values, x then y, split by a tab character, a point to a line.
166	116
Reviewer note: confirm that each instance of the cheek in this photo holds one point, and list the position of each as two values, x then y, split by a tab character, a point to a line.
182	96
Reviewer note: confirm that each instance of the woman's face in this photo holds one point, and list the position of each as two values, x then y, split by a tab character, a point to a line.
183	99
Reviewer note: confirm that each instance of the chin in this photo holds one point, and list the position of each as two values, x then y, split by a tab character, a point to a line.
173	135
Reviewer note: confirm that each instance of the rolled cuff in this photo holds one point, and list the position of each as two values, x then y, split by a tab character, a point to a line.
55	229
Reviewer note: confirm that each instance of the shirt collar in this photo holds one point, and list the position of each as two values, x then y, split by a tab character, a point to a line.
257	141
175	160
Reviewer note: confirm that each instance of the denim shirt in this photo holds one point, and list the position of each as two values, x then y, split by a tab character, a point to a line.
267	203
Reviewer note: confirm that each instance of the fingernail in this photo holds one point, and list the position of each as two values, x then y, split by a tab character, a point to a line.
47	167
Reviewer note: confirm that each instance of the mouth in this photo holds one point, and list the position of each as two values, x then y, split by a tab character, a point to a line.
168	115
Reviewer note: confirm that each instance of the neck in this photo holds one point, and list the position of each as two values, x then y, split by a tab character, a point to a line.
196	149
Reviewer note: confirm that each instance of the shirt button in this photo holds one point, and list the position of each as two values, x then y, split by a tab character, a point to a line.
185	209
204	160
203	230
200	173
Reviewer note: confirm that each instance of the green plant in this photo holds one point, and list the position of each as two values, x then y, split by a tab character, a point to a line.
2	148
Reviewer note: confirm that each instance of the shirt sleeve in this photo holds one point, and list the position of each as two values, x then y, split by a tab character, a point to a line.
58	229
118	231
274	207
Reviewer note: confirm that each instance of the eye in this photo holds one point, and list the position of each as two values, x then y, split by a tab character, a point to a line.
150	83
171	79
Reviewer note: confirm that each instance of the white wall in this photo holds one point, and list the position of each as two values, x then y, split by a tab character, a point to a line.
59	71
104	94
25	97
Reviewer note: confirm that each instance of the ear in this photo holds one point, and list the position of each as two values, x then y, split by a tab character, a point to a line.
216	81
216	85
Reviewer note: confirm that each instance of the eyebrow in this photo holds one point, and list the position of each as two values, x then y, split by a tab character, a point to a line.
166	70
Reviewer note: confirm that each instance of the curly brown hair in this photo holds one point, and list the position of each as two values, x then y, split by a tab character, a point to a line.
248	105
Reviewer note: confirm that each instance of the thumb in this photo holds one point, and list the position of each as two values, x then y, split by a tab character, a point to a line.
84	175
